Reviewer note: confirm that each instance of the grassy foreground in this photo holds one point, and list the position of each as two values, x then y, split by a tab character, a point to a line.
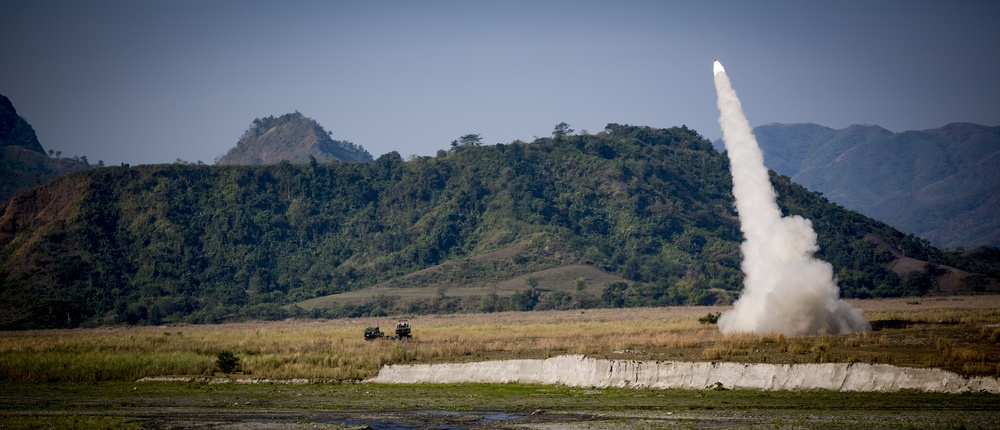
961	334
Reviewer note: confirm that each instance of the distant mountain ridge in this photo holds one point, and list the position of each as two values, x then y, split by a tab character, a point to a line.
14	130
292	137
940	184
23	161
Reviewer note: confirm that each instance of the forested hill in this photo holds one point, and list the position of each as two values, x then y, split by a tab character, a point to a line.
190	243
292	137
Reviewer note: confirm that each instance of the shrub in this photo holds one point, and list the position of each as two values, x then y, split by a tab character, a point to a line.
227	361
711	318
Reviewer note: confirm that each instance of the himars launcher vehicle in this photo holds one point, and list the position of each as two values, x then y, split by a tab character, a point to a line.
402	332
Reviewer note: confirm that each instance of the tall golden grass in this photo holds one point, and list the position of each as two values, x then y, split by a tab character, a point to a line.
956	333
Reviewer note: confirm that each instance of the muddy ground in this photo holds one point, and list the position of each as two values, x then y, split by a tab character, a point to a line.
179	405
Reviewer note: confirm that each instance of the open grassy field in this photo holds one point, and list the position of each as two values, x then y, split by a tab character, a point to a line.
87	378
959	333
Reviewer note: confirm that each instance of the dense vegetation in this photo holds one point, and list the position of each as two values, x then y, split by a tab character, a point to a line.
195	243
22	169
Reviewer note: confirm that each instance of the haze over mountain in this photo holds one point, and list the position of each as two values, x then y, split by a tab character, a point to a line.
411	76
291	137
647	212
23	161
940	184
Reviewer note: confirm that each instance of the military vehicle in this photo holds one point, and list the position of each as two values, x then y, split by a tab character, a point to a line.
372	333
402	332
403	329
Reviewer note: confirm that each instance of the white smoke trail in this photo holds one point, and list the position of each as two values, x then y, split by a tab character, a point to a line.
785	289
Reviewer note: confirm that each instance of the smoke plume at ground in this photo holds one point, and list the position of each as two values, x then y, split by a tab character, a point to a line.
785	289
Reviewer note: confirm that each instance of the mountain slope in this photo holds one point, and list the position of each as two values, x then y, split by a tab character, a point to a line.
292	137
940	184
168	243
21	169
14	130
23	162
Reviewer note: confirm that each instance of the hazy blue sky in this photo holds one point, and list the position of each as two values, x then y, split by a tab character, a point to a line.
153	81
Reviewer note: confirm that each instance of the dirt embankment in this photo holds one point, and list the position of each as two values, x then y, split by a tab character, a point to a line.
581	371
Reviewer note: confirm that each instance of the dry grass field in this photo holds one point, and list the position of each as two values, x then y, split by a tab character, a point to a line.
959	333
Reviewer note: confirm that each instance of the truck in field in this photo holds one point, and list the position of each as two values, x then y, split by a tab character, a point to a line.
403	329
372	333
402	332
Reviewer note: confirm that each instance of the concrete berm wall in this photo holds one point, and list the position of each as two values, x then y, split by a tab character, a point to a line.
581	371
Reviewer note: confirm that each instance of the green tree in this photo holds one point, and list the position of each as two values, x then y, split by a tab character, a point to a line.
615	293
524	300
467	140
976	282
561	130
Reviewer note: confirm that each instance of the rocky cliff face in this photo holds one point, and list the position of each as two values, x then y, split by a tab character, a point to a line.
580	371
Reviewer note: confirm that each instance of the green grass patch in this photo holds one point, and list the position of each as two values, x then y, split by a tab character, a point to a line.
69	422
